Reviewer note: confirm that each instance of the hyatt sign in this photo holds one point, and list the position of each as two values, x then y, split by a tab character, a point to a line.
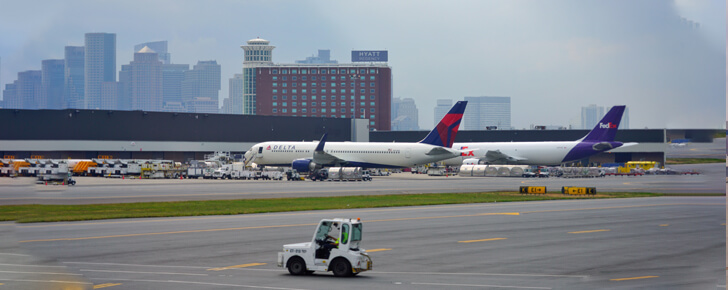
368	56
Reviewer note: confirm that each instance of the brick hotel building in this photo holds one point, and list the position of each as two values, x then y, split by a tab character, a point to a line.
355	90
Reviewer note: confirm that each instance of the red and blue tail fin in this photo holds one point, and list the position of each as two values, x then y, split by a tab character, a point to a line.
606	129
445	131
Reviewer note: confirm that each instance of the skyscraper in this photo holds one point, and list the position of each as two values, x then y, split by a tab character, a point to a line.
125	83
443	106
590	115
235	93
407	115
73	77
160	47
29	89
258	53
10	96
487	112
52	71
172	77
100	66
146	81
203	81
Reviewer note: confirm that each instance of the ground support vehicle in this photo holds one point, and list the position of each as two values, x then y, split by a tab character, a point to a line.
345	174
53	171
293	174
162	169
345	259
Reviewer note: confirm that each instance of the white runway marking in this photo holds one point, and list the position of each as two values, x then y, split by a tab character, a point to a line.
199	283
482	274
136	272
44	273
137	265
46	281
41	266
13	254
480	286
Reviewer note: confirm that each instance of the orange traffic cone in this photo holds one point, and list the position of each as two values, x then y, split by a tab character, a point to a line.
181	177
46	182
122	177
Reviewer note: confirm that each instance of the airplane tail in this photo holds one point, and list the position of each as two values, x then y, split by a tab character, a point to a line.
445	131
606	129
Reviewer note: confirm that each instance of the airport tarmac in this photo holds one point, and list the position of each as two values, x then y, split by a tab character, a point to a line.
646	243
103	190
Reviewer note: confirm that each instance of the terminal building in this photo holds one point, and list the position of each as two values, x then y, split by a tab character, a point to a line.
85	134
361	90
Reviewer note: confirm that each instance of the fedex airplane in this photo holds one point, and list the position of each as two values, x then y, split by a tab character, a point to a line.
310	156
600	139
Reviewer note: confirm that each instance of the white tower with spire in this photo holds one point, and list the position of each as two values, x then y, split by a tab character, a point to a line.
258	52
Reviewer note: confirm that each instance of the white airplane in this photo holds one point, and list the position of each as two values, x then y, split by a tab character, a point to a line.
600	139
310	156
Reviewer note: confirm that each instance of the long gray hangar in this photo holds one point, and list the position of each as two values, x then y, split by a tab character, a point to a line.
599	139
310	156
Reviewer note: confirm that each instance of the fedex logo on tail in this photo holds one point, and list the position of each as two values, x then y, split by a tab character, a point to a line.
607	126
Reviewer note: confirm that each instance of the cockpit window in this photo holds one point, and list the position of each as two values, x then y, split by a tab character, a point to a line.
260	149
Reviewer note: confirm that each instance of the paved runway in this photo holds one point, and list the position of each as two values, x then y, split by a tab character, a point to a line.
102	190
655	243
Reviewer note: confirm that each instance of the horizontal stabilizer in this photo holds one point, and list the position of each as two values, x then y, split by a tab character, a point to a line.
495	156
443	150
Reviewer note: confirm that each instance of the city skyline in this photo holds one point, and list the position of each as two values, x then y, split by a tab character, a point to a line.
663	59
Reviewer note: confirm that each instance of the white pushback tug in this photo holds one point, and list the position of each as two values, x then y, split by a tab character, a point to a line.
334	247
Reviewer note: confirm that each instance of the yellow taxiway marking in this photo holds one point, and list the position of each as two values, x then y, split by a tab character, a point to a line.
593	231
237	266
106	285
634	278
384	220
378	250
664	225
484	240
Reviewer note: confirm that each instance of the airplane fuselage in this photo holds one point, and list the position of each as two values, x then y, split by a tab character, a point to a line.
370	154
530	153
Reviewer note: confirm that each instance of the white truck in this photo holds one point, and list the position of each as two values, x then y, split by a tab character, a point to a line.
334	247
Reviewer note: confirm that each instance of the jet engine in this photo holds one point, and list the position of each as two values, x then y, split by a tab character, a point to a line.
304	165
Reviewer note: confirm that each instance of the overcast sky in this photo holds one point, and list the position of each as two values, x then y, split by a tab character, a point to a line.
551	57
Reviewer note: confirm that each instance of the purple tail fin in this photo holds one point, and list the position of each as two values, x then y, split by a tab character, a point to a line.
445	131
606	129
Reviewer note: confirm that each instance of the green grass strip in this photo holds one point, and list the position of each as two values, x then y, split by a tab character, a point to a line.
673	161
57	213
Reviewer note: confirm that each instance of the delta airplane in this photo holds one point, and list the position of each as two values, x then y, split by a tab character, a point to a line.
310	156
600	139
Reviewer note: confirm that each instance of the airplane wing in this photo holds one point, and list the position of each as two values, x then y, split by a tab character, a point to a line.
322	157
495	156
443	150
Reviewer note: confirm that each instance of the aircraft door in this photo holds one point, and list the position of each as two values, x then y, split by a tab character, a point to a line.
259	154
408	152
